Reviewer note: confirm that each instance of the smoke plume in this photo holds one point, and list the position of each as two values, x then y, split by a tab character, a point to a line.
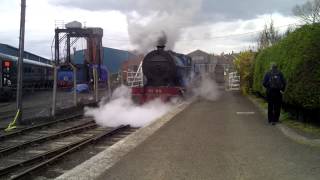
121	110
162	40
167	17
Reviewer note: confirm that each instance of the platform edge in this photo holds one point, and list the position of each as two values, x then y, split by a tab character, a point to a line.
98	164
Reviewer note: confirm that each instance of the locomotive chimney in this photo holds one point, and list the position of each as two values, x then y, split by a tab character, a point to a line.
162	40
161	47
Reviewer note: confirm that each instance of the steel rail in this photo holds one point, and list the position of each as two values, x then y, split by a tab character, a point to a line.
39	157
67	131
74	147
7	135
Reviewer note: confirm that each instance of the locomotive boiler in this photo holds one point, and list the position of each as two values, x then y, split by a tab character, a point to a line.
166	75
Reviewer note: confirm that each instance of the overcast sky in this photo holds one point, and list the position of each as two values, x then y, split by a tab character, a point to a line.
211	25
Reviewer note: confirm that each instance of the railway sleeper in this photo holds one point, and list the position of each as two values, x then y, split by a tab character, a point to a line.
72	148
45	138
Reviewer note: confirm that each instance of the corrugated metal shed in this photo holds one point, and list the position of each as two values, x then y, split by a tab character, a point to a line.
113	58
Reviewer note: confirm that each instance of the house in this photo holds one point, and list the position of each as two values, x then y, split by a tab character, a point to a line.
202	61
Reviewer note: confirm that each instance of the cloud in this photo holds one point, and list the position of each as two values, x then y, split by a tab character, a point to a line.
127	24
40	24
146	18
210	10
229	36
140	6
216	10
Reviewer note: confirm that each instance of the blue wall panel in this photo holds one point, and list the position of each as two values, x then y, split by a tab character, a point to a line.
113	58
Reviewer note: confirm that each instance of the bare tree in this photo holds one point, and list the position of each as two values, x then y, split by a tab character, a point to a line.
289	30
268	36
309	12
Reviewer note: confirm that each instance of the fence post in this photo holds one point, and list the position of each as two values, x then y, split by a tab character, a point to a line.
95	83
54	95
74	84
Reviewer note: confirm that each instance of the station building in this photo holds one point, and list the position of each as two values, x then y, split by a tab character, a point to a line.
202	61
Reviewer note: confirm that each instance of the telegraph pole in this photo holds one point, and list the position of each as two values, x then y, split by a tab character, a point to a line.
20	61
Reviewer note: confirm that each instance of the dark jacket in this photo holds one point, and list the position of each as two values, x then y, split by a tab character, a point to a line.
273	93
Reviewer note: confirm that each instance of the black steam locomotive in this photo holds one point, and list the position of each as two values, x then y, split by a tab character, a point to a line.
167	74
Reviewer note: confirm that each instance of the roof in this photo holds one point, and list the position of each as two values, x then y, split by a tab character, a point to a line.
27	61
13	51
197	52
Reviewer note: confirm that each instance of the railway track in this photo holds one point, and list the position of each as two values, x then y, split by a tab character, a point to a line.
4	105
4	114
31	129
23	154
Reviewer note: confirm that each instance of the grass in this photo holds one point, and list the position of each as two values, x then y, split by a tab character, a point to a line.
289	121
304	127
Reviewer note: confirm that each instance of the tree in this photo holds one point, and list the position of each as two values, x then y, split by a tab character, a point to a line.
244	64
268	36
308	12
289	30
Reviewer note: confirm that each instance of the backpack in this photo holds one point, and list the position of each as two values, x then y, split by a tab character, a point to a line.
275	80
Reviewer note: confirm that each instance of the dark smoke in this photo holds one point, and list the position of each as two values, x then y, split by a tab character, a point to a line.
166	18
162	39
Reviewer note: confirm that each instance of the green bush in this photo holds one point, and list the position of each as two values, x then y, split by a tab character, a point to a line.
244	64
298	57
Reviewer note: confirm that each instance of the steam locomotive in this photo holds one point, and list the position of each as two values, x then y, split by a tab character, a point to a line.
167	74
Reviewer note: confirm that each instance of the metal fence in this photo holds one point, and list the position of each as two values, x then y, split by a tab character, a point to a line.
233	81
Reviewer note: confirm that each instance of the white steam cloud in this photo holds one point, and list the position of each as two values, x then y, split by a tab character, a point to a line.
206	88
121	110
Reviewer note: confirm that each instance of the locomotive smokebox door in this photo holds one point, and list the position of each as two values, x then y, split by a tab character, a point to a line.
159	68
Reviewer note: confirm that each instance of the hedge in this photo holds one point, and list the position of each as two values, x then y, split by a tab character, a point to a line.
298	57
244	65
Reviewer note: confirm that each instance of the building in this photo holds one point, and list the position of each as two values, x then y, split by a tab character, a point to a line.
224	65
227	61
202	61
112	58
129	70
8	50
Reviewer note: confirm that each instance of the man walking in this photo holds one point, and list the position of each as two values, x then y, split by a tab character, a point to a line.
275	84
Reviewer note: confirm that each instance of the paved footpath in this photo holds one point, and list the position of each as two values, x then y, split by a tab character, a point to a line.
210	140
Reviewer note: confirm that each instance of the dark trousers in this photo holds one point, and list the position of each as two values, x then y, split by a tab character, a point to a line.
274	106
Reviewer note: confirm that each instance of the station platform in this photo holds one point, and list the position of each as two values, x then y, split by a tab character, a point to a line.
224	139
